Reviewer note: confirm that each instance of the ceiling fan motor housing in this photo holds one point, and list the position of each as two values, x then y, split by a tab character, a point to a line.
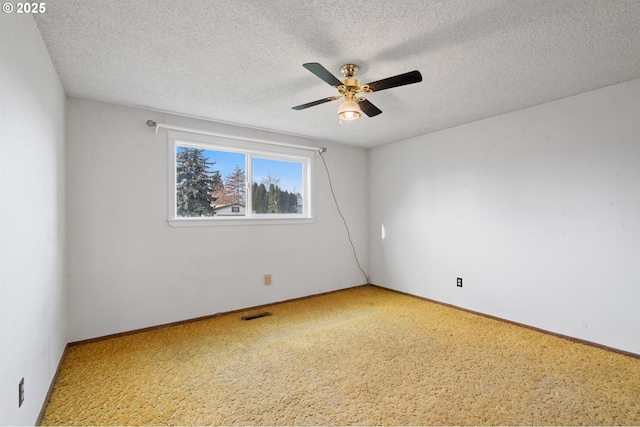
351	85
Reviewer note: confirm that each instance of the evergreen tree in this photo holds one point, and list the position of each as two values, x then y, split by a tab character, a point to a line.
194	183
261	202
283	204
254	196
293	203
217	187
273	197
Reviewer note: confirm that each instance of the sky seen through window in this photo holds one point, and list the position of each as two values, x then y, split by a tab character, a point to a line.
290	173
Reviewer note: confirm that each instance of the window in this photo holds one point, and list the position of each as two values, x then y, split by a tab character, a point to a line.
216	181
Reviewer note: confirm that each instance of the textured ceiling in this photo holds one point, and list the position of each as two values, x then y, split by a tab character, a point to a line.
240	61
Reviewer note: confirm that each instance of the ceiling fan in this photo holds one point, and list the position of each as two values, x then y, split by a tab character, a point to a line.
352	106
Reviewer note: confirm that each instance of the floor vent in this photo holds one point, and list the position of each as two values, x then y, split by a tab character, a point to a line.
256	316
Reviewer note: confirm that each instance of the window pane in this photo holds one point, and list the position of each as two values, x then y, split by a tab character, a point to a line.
276	186
209	183
232	184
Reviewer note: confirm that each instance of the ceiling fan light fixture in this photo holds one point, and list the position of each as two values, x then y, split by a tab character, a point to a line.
349	110
349	88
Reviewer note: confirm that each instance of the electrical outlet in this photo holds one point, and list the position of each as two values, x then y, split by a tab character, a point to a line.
267	279
20	392
459	282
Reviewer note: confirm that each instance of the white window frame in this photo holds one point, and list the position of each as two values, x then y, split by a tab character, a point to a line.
250	149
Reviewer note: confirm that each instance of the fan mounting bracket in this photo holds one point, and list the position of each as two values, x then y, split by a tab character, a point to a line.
349	70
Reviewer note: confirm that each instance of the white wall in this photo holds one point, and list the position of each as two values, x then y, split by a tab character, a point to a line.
32	294
537	210
129	269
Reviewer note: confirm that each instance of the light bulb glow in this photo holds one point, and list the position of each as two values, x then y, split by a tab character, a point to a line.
349	110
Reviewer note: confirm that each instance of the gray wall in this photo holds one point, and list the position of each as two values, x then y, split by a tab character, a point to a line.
32	226
537	210
129	269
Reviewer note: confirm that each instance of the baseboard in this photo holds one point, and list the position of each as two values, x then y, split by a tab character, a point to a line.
260	307
544	331
165	325
50	390
197	319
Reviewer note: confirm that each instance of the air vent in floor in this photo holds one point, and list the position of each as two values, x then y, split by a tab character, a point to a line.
256	316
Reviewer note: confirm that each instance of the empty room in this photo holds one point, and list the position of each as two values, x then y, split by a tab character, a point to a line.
320	213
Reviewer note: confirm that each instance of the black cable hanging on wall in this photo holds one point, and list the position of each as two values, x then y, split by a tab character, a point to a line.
346	226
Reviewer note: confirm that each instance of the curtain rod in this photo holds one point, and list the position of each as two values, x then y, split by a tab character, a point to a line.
159	126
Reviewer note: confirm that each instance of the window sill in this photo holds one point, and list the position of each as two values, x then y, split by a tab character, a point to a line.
209	222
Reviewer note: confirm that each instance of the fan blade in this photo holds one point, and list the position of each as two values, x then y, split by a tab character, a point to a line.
395	81
322	72
314	103
368	108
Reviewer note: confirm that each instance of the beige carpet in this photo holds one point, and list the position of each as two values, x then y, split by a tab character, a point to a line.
364	356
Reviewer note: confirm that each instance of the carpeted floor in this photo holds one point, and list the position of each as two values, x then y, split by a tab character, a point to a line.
364	356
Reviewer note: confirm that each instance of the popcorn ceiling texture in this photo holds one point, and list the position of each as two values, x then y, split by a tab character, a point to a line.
363	356
240	61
